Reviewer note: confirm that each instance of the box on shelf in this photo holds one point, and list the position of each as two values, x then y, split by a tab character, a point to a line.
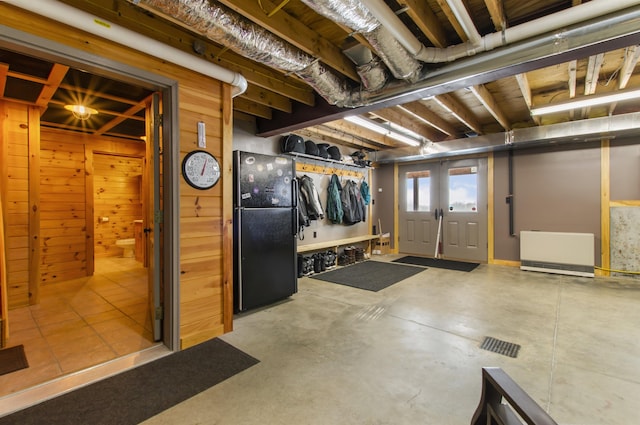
383	244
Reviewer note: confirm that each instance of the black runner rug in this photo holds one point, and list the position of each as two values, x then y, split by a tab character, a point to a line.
140	393
369	275
437	263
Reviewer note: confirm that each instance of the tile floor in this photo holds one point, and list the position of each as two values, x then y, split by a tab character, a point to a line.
81	323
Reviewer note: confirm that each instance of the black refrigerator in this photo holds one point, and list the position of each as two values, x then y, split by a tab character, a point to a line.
265	229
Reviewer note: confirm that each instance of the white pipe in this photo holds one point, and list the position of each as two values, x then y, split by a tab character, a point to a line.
462	15
97	26
573	15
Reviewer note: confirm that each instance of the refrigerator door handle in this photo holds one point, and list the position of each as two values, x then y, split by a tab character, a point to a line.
296	216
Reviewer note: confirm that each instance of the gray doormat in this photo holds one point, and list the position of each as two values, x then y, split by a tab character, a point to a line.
138	394
12	359
501	347
369	275
438	263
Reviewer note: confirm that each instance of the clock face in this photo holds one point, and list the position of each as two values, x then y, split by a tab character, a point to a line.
201	169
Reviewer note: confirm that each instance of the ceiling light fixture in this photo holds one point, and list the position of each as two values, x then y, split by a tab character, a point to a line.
382	129
586	102
81	112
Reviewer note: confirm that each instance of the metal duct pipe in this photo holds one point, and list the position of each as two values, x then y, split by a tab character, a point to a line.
352	14
231	29
97	26
582	131
476	44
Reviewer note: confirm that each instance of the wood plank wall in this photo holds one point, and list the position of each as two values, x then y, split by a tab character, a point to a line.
205	269
15	149
117	184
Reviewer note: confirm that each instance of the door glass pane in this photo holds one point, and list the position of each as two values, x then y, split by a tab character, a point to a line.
409	194
418	195
463	189
424	193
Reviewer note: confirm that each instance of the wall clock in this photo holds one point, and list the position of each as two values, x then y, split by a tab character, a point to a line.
201	169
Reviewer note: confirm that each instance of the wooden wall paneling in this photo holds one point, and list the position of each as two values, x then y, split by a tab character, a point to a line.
117	197
208	108
89	210
34	205
17	204
4	294
63	220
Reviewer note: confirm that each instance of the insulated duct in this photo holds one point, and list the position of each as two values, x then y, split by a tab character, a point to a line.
232	30
353	14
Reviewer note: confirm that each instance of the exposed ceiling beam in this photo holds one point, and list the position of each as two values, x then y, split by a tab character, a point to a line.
399	117
423	113
480	69
128	114
572	71
267	98
252	108
593	73
360	132
326	133
426	20
53	82
630	61
489	102
497	13
525	89
446	9
458	110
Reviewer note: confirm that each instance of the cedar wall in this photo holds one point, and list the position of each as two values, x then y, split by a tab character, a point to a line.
204	216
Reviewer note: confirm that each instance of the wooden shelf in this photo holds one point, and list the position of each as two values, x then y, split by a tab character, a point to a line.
338	243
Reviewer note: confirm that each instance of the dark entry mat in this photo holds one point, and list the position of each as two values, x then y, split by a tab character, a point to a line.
437	263
137	394
12	359
369	275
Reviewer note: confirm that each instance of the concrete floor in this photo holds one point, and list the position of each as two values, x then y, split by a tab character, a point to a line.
410	354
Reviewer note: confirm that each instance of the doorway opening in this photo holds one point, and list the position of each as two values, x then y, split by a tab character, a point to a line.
87	295
443	209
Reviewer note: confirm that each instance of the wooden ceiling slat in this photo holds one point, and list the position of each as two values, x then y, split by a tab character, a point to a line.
403	119
128	114
446	9
328	134
267	98
252	108
53	82
486	98
359	132
460	111
422	112
496	11
426	20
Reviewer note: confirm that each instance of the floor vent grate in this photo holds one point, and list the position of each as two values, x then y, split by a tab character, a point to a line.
501	347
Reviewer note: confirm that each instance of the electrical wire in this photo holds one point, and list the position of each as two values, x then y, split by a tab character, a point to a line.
616	271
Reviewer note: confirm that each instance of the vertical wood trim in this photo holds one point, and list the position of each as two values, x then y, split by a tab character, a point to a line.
605	199
34	205
89	210
490	209
227	208
396	206
4	294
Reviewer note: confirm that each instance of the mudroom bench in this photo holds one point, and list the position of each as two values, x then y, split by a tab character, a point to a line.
338	243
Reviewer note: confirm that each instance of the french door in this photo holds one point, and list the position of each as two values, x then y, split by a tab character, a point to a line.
443	209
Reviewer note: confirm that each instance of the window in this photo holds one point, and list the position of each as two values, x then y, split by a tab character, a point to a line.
418	190
463	189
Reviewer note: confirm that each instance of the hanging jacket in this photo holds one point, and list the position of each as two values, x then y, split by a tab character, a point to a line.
352	203
334	203
311	198
364	191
